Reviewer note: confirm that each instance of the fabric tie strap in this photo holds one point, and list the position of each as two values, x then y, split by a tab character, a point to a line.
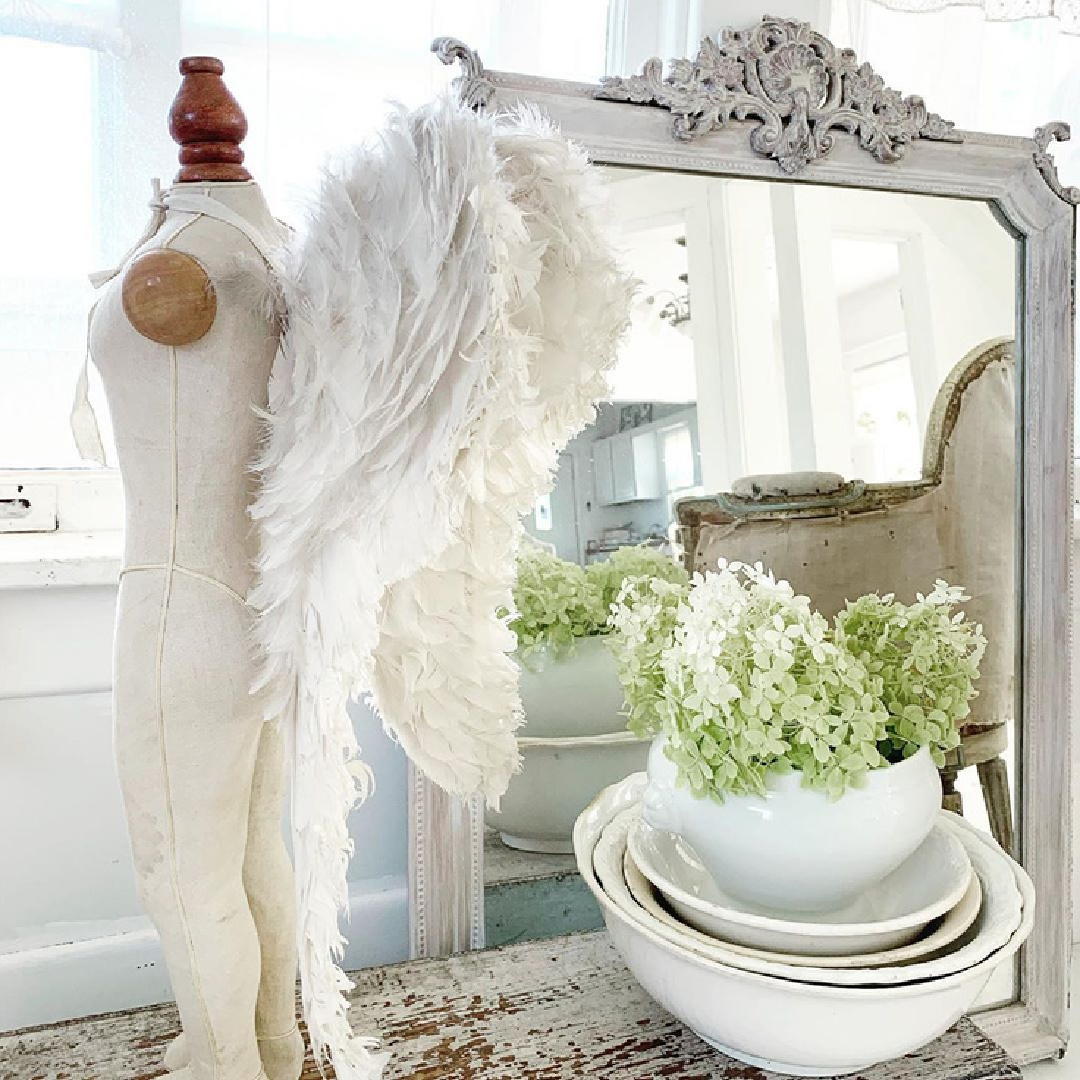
83	420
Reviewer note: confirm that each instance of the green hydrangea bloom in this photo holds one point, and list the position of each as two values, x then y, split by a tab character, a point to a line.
558	602
555	602
923	659
744	678
635	564
644	618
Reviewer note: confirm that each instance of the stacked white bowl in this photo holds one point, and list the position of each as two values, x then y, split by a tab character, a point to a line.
573	744
816	993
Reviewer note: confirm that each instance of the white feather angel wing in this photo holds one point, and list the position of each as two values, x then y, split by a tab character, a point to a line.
444	680
452	307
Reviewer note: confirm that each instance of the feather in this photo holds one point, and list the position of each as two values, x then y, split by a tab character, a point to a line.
453	307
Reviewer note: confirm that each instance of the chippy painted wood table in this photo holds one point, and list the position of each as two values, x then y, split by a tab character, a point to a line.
558	1009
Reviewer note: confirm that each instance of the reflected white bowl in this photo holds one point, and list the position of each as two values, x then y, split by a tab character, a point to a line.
558	779
788	1027
572	695
795	850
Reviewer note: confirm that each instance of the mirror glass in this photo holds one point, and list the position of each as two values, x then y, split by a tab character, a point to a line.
815	379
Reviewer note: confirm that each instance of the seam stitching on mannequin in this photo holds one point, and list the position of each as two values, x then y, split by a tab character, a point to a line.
169	569
177	569
170	824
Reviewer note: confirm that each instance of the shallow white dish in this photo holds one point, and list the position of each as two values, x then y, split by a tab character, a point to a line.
892	913
939	937
993	927
826	1030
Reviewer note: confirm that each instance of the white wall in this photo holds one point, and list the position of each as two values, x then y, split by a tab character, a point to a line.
73	941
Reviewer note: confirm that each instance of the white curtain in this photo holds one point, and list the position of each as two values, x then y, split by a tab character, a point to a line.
86	87
973	67
1067	11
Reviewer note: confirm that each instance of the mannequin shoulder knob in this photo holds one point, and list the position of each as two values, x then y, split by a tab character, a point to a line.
168	297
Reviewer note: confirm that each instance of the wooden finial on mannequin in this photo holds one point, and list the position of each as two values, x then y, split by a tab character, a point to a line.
208	123
167	295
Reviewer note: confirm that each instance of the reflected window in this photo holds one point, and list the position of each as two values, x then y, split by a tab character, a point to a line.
542	514
886	441
677	449
887	444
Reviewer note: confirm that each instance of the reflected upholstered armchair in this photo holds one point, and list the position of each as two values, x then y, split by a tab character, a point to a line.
835	540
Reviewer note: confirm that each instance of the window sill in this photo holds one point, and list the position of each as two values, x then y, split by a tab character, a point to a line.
60	559
67	559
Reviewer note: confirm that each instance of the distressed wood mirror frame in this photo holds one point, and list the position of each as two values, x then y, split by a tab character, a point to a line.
779	101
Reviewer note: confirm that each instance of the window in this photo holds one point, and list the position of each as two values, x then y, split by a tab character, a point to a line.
311	76
677	449
542	514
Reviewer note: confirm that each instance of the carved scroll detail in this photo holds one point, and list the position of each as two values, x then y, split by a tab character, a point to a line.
1044	161
793	80
473	87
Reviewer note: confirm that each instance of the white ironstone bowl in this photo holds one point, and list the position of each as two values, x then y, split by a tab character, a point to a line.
989	928
892	912
795	849
787	1027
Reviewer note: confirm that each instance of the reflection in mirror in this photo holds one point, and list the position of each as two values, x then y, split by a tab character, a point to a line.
820	322
815	378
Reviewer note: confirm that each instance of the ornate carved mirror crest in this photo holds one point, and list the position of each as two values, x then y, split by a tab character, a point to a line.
796	82
793	80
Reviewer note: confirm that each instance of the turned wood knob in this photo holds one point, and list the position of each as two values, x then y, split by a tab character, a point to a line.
168	297
208	123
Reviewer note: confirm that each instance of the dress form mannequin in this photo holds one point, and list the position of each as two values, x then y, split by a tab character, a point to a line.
185	352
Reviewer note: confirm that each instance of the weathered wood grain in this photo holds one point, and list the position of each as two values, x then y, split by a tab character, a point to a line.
555	1010
446	883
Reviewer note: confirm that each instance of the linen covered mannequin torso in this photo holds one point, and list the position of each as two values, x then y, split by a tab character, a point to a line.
202	774
450	321
221	380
